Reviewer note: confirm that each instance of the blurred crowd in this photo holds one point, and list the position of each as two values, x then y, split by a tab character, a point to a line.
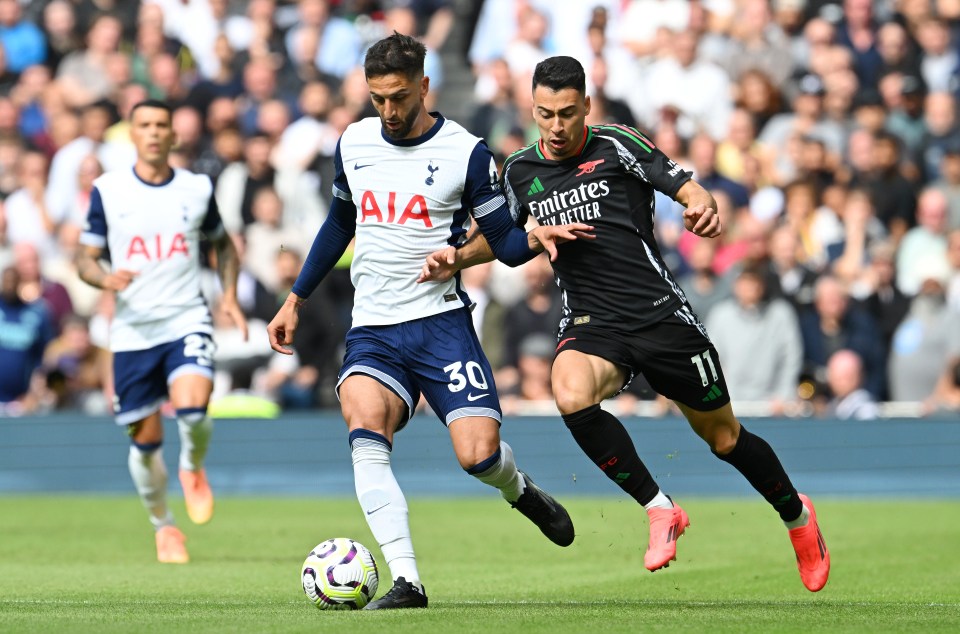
828	132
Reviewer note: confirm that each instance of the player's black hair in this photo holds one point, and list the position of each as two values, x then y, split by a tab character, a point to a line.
152	103
559	72
395	54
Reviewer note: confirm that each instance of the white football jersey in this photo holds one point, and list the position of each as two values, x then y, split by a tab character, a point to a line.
413	197
155	231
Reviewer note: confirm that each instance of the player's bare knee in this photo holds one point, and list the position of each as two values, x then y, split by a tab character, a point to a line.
475	453
365	404
190	391
375	425
719	428
721	437
570	394
370	416
570	401
722	444
143	434
474	439
576	392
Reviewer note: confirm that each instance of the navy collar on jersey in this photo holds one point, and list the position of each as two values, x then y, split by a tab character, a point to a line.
423	138
165	182
587	133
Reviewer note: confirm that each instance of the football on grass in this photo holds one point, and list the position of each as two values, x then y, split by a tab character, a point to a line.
339	574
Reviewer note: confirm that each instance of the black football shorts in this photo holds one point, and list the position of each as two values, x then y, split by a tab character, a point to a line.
674	355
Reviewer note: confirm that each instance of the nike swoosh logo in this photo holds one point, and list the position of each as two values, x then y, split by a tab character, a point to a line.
473	397
377	509
357	166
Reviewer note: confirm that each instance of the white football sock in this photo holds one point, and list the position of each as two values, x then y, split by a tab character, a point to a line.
384	506
659	501
149	474
501	474
195	430
800	521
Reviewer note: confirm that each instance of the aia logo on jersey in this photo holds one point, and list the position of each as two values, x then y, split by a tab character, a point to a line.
588	167
432	169
415	209
156	249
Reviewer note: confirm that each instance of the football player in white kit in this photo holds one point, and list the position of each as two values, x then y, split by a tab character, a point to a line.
151	219
407	183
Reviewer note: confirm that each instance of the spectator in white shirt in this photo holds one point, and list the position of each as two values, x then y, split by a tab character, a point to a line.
697	92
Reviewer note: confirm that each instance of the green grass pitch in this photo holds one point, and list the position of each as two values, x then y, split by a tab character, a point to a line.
87	564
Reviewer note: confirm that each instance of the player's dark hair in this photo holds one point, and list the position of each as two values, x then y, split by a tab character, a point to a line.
559	72
152	103
395	54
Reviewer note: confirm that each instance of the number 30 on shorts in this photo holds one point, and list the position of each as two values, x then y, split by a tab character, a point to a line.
473	374
200	347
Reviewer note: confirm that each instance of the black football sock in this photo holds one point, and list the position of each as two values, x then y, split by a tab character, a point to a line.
758	463
606	442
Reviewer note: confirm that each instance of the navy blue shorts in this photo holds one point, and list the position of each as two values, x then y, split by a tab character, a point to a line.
438	356
141	377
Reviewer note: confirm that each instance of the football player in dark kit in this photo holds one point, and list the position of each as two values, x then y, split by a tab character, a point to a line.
623	311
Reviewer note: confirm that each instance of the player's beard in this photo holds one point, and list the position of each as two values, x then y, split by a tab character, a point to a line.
405	127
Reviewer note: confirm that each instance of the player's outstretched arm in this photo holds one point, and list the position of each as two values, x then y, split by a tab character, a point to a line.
441	265
331	241
91	271
700	216
228	266
513	246
510	244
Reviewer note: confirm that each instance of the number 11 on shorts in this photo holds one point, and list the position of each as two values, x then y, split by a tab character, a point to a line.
698	360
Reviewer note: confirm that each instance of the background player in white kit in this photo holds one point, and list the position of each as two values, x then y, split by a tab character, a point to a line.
151	219
406	184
